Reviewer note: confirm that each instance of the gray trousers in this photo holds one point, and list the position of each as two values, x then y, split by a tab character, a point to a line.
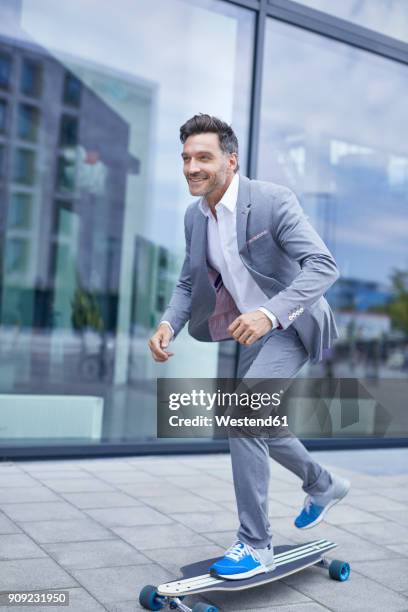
278	354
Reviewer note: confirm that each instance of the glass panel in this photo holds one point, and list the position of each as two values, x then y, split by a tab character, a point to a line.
5	70
337	143
23	168
389	17
72	90
31	78
3	115
20	210
68	131
28	118
107	197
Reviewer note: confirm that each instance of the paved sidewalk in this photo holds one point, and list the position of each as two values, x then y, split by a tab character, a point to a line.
102	528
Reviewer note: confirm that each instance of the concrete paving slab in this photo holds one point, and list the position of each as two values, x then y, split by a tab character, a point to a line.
392	574
156	488
190	482
19	546
125	477
342	513
128	517
383	533
114	584
37	493
77	485
42	511
401	549
375	503
30	574
224	492
7	526
182	503
202	522
91	555
107	499
12	480
79	601
66	531
356	595
157	536
399	516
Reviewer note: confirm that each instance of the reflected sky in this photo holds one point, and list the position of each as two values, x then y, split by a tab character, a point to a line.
389	17
189	52
331	126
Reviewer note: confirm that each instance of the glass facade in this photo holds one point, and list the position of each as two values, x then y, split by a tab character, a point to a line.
92	195
322	138
93	199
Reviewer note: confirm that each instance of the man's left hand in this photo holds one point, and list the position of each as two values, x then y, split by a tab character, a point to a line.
248	327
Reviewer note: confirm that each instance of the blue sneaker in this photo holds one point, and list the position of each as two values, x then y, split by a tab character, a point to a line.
243	561
315	507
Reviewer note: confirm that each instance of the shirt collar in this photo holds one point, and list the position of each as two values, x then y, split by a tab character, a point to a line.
229	199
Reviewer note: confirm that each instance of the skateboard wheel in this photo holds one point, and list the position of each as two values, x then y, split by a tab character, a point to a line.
150	599
203	607
339	570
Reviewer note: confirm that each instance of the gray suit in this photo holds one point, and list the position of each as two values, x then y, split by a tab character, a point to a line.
284	255
294	268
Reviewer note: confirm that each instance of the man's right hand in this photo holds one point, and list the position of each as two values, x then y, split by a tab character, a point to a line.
159	341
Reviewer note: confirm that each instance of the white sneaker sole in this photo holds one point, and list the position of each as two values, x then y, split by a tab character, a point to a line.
326	508
242	576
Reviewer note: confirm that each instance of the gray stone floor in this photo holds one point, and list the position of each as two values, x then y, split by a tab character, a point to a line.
102	528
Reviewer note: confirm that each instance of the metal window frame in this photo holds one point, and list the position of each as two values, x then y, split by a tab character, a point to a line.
323	24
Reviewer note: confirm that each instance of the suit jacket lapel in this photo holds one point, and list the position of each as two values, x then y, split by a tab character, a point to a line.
242	211
198	251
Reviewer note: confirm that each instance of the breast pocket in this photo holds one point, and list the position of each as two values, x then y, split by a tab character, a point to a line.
261	253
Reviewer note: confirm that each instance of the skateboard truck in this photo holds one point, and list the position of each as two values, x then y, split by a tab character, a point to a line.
150	599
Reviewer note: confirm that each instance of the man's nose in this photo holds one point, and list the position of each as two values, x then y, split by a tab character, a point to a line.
194	167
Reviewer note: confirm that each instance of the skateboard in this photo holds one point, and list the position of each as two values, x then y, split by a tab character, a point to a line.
196	579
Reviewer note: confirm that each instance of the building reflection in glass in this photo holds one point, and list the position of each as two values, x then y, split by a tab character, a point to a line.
93	197
350	172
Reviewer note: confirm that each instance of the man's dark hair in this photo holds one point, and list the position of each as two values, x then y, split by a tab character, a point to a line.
199	124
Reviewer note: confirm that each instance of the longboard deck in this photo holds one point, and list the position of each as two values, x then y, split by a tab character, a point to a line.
288	559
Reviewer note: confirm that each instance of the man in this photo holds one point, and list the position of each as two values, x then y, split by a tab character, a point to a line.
255	270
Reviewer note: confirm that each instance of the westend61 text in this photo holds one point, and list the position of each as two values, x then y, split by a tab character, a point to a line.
227	421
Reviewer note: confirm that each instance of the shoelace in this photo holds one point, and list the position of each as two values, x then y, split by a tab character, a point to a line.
239	550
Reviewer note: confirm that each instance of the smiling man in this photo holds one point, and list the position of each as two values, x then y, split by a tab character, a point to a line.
255	270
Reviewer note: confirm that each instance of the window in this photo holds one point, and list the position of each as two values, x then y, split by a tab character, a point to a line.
23	167
113	155
3	116
389	17
19	213
68	131
16	259
28	120
72	90
2	162
5	71
350	170
31	78
65	180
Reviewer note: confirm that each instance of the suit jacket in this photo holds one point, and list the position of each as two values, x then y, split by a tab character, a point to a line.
283	253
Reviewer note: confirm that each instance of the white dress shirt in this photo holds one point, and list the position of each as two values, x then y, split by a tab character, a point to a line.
223	254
